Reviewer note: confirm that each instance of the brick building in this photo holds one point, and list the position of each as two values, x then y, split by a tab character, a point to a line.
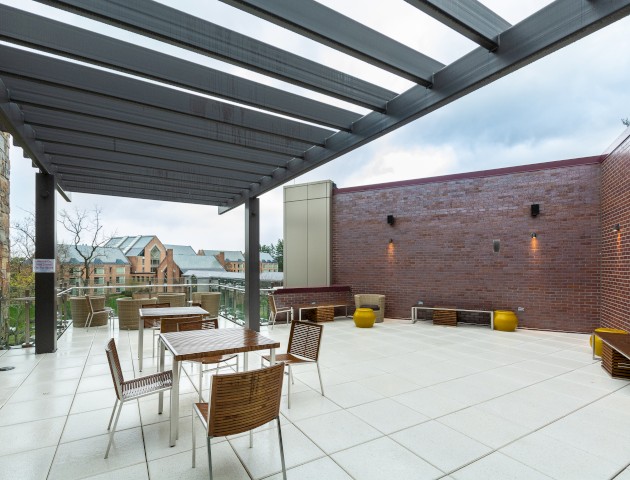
234	261
109	267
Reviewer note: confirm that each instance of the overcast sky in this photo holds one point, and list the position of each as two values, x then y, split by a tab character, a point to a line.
566	105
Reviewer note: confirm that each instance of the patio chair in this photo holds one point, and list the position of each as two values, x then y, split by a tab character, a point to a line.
240	402
221	361
154	323
127	390
274	311
304	342
369	299
93	311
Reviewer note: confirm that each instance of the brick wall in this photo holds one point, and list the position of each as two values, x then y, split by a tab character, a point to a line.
334	295
442	249
615	295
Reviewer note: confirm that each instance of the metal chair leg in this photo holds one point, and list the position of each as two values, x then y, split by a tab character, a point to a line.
209	456
289	388
194	442
109	425
319	373
284	468
111	435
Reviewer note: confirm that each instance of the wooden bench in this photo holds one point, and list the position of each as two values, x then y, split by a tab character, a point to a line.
615	353
415	308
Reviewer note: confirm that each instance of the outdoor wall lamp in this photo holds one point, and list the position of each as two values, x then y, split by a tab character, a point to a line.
616	227
391	241
534	235
390	220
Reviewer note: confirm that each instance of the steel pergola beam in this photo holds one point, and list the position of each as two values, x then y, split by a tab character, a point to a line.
32	66
551	28
470	18
28	29
331	28
173	26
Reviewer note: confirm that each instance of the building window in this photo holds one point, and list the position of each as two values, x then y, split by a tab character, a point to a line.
99	271
99	281
155	258
120	279
120	270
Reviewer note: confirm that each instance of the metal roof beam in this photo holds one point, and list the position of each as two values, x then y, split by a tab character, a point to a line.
470	18
131	192
247	158
26	92
551	28
28	65
342	33
192	33
25	28
60	163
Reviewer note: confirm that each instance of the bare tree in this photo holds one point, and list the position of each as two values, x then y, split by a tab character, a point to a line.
87	236
23	238
626	122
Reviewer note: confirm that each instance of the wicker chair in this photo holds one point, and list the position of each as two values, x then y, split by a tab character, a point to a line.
209	301
106	311
304	342
240	402
131	389
220	361
274	311
372	299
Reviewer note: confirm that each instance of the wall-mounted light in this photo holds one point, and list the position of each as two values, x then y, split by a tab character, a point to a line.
616	227
535	209
534	235
391	241
390	220
496	246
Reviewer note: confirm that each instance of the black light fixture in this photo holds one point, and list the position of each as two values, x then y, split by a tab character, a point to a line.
496	246
535	209
390	220
391	241
534	235
616	227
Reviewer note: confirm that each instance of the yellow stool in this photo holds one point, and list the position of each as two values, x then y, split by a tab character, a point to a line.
364	317
598	341
505	320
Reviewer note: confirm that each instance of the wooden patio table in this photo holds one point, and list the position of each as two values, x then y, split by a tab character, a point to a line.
193	344
149	313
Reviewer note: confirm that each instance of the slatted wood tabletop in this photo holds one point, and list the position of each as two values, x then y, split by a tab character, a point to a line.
193	344
171	312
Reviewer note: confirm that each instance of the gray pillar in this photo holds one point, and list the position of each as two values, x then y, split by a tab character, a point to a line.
45	248
252	265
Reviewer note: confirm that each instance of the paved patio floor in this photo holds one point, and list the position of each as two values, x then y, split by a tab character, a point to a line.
402	401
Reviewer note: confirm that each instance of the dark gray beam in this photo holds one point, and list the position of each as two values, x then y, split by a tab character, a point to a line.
130	192
173	164
117	177
118	181
331	28
187	31
24	28
548	30
152	173
251	304
27	93
28	65
470	18
117	132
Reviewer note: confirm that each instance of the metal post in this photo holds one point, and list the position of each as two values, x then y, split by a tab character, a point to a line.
27	320
45	249
251	304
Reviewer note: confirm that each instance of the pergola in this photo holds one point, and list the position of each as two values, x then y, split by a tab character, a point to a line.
131	121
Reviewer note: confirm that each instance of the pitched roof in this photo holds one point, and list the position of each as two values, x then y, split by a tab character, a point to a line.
266	258
181	249
70	254
197	262
131	246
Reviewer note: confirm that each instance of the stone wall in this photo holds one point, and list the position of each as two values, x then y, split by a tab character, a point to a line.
441	249
4	223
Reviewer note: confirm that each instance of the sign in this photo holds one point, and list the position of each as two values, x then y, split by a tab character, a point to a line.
44	265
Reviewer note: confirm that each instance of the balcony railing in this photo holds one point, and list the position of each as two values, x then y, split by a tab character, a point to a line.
20	314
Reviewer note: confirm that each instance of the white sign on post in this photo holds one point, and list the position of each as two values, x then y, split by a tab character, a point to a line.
44	265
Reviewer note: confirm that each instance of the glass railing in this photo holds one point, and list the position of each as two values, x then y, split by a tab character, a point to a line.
20	310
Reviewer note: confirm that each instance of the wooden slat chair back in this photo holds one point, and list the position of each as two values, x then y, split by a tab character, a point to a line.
274	311
170	324
154	323
304	342
220	361
305	339
240	402
133	389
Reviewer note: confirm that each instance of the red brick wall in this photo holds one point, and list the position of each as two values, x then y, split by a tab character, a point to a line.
294	297
442	243
615	296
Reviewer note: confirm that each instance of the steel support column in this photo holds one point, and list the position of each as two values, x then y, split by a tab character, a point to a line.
45	248
252	264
